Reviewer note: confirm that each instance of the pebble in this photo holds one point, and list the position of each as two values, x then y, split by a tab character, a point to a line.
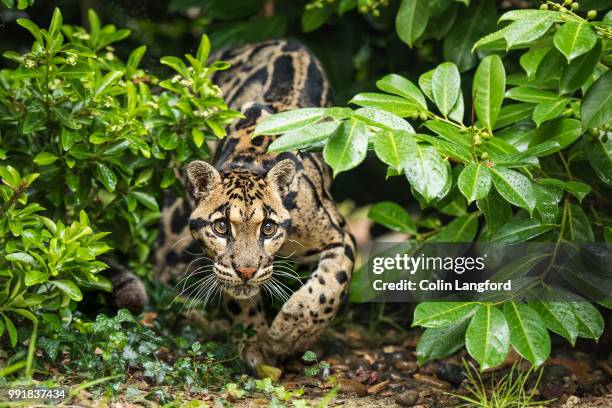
351	386
409	366
408	398
452	373
425	379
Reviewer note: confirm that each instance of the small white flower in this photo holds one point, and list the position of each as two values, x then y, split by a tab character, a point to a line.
175	79
186	82
109	56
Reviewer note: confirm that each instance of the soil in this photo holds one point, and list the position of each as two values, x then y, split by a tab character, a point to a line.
380	370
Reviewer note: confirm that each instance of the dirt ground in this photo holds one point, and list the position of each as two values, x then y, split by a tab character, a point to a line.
380	370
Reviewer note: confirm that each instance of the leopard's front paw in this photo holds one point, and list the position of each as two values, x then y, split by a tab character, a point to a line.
257	352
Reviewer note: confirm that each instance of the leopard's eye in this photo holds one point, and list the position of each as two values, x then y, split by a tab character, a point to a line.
220	226
268	228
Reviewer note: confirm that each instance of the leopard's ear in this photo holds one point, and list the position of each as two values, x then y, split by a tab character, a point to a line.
203	177
281	175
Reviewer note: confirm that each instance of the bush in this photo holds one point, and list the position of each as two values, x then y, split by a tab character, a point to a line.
520	168
103	147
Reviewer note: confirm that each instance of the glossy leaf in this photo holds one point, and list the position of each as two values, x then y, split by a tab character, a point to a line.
487	338
559	318
575	38
461	229
401	86
411	20
290	120
441	342
392	216
426	171
347	147
304	137
445	85
489	89
596	108
441	314
395	104
474	182
514	187
528	334
549	110
393	147
69	288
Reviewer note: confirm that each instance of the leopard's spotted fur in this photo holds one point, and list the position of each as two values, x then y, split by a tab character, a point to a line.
249	186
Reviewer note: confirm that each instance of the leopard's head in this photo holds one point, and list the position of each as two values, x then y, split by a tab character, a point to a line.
241	222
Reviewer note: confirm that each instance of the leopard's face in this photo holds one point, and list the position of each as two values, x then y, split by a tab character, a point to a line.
241	222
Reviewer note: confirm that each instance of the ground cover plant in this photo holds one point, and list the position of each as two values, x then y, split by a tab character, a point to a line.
498	133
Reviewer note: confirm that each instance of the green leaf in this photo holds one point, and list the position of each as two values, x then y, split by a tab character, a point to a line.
445	85
472	23
401	86
347	147
528	334
590	321
457	152
305	137
487	337
146	199
203	49
32	28
532	59
12	331
576	188
411	20
56	23
559	318
564	132
392	147
290	120
527	30
532	95
176	64
107	81
577	225
511	114
599	155
549	110
596	108
520	230
395	104
496	210
461	229
392	216
441	314
21	257
574	75
44	158
426	171
136	56
514	187
315	17
488	89
521	14
474	182
441	342
69	288
425	83
382	119
575	38
107	177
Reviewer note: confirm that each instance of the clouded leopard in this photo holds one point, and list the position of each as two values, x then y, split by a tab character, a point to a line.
250	207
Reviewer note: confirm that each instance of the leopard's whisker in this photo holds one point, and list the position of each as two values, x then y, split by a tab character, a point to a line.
201	280
178	241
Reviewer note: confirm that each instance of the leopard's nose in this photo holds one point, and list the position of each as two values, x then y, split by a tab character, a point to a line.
246	273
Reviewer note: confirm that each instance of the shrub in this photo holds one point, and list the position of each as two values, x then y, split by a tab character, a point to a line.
518	168
104	138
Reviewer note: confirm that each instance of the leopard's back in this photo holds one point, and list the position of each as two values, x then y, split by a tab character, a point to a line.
283	74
